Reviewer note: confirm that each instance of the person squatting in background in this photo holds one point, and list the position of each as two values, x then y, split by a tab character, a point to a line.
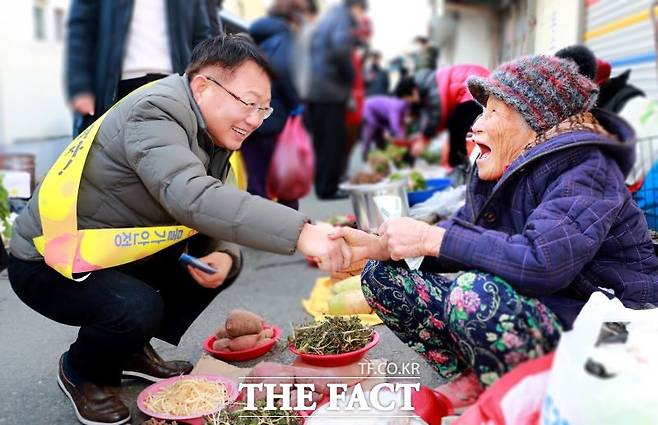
388	117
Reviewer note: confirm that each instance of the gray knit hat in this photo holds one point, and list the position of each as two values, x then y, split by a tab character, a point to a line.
545	90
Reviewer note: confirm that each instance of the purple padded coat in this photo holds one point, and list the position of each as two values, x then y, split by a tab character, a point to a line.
560	224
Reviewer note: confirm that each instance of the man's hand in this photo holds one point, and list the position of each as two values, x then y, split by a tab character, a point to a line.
407	238
84	104
219	261
331	254
364	245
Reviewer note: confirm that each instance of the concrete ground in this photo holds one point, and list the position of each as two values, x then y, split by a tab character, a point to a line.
271	285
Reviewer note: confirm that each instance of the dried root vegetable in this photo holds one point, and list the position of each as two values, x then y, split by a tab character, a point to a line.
260	416
334	335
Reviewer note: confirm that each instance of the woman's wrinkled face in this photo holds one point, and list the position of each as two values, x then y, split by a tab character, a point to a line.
227	101
501	133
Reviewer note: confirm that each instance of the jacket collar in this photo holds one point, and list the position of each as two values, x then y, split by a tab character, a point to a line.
622	145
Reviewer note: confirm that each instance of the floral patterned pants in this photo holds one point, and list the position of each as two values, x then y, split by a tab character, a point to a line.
476	321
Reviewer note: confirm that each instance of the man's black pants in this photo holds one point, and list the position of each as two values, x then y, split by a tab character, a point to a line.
118	309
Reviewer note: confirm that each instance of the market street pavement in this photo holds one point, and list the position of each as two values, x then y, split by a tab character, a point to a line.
271	285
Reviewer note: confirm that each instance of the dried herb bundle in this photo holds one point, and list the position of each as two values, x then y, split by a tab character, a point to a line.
254	417
334	335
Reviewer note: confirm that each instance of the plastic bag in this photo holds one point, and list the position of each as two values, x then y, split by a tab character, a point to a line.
291	171
602	378
515	399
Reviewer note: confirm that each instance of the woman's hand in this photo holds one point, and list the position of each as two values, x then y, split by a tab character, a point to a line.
407	238
331	255
363	245
219	261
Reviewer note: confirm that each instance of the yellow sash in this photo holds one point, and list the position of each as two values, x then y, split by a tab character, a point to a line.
69	250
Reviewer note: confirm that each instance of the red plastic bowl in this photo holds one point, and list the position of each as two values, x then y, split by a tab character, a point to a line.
197	418
248	354
331	360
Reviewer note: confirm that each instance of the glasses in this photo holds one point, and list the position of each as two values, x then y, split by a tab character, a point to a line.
250	107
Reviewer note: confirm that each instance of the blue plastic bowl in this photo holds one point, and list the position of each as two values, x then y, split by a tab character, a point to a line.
433	186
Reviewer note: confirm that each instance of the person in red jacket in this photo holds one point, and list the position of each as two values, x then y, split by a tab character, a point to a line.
447	105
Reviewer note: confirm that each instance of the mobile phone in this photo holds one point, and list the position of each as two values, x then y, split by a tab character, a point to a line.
188	260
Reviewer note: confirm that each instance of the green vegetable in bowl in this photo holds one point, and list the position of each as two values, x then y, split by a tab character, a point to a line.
260	416
416	181
334	335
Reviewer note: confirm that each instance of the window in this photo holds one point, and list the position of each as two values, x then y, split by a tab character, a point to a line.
59	24
39	22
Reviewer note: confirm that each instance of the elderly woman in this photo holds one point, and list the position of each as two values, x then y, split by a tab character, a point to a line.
547	222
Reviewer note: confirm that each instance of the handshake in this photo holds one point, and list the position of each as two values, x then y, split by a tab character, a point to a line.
335	248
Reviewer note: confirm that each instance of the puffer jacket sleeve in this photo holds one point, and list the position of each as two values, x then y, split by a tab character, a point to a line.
560	237
158	150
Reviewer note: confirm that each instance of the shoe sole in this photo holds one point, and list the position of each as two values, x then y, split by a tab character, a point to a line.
131	374
79	416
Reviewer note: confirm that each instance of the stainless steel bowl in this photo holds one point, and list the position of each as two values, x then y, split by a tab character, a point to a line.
368	217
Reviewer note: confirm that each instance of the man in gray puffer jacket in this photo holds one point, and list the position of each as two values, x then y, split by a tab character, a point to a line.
160	158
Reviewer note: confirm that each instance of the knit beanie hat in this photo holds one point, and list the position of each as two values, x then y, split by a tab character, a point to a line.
545	90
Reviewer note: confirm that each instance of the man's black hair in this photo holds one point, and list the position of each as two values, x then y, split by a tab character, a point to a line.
583	57
227	51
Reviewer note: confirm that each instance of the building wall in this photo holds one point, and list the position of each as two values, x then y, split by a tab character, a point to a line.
559	24
247	9
474	35
32	101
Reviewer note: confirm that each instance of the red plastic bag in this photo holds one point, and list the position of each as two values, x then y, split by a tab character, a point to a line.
293	164
515	399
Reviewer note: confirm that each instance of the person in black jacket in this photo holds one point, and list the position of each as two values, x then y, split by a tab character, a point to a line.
116	47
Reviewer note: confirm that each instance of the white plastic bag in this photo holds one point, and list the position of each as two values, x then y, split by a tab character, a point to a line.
578	397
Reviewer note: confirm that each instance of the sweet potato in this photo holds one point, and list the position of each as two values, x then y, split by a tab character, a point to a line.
266	333
221	332
241	322
221	344
262	342
243	342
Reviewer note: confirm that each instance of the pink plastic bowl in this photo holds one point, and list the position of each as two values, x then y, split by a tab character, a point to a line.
197	418
248	354
331	360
